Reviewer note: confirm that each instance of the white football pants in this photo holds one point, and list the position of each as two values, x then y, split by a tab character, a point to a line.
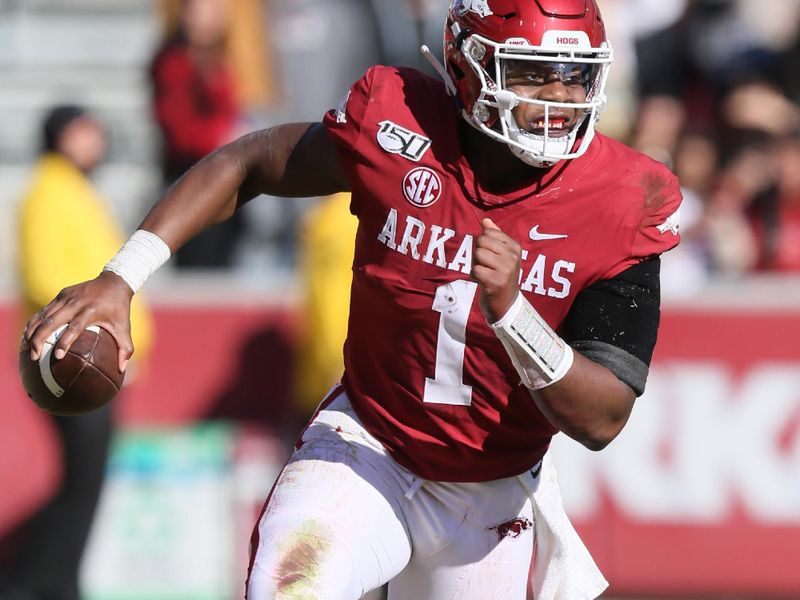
344	518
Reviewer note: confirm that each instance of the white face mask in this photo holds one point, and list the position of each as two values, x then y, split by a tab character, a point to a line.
548	143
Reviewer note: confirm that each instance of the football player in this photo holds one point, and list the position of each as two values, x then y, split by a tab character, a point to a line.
505	288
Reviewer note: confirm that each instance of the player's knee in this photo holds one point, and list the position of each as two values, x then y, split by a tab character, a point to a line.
311	570
303	565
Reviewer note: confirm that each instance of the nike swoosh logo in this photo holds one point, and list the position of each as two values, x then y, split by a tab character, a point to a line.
536	236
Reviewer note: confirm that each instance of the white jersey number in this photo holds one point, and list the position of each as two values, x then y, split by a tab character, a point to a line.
454	302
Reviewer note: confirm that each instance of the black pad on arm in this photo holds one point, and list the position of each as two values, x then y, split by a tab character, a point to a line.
615	322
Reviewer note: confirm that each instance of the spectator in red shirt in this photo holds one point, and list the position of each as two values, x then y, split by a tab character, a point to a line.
777	225
196	108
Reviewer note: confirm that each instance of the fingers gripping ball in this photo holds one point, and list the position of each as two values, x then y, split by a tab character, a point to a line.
85	379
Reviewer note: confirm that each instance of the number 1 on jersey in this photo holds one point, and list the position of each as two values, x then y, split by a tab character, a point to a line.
454	302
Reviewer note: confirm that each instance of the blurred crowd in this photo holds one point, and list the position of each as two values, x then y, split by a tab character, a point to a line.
716	94
706	86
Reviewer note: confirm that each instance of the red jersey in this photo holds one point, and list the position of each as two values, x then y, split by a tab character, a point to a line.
423	369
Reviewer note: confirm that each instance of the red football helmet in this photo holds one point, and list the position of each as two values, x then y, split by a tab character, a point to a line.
482	36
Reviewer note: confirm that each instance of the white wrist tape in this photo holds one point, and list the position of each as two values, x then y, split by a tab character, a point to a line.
539	355
139	258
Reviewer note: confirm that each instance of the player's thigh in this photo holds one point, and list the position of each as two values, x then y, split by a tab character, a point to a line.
331	527
487	557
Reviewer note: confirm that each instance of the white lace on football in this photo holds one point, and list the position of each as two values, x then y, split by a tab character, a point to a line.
539	355
139	258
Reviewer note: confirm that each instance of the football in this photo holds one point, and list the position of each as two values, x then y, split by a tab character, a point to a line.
85	379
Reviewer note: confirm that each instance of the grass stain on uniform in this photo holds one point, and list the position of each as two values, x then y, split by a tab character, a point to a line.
299	568
654	188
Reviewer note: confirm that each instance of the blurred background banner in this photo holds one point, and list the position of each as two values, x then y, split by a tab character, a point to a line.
177	512
700	495
158	533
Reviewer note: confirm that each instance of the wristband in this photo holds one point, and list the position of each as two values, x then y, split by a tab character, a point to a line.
139	258
539	355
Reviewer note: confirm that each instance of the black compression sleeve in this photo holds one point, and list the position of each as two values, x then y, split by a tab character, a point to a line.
615	322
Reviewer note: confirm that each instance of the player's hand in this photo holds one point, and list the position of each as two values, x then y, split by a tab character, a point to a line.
103	301
496	267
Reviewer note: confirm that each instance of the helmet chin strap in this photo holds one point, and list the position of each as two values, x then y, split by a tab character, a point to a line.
531	159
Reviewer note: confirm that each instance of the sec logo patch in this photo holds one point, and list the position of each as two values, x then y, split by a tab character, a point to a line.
422	187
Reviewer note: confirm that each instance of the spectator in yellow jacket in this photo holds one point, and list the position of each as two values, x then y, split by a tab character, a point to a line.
326	246
66	234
